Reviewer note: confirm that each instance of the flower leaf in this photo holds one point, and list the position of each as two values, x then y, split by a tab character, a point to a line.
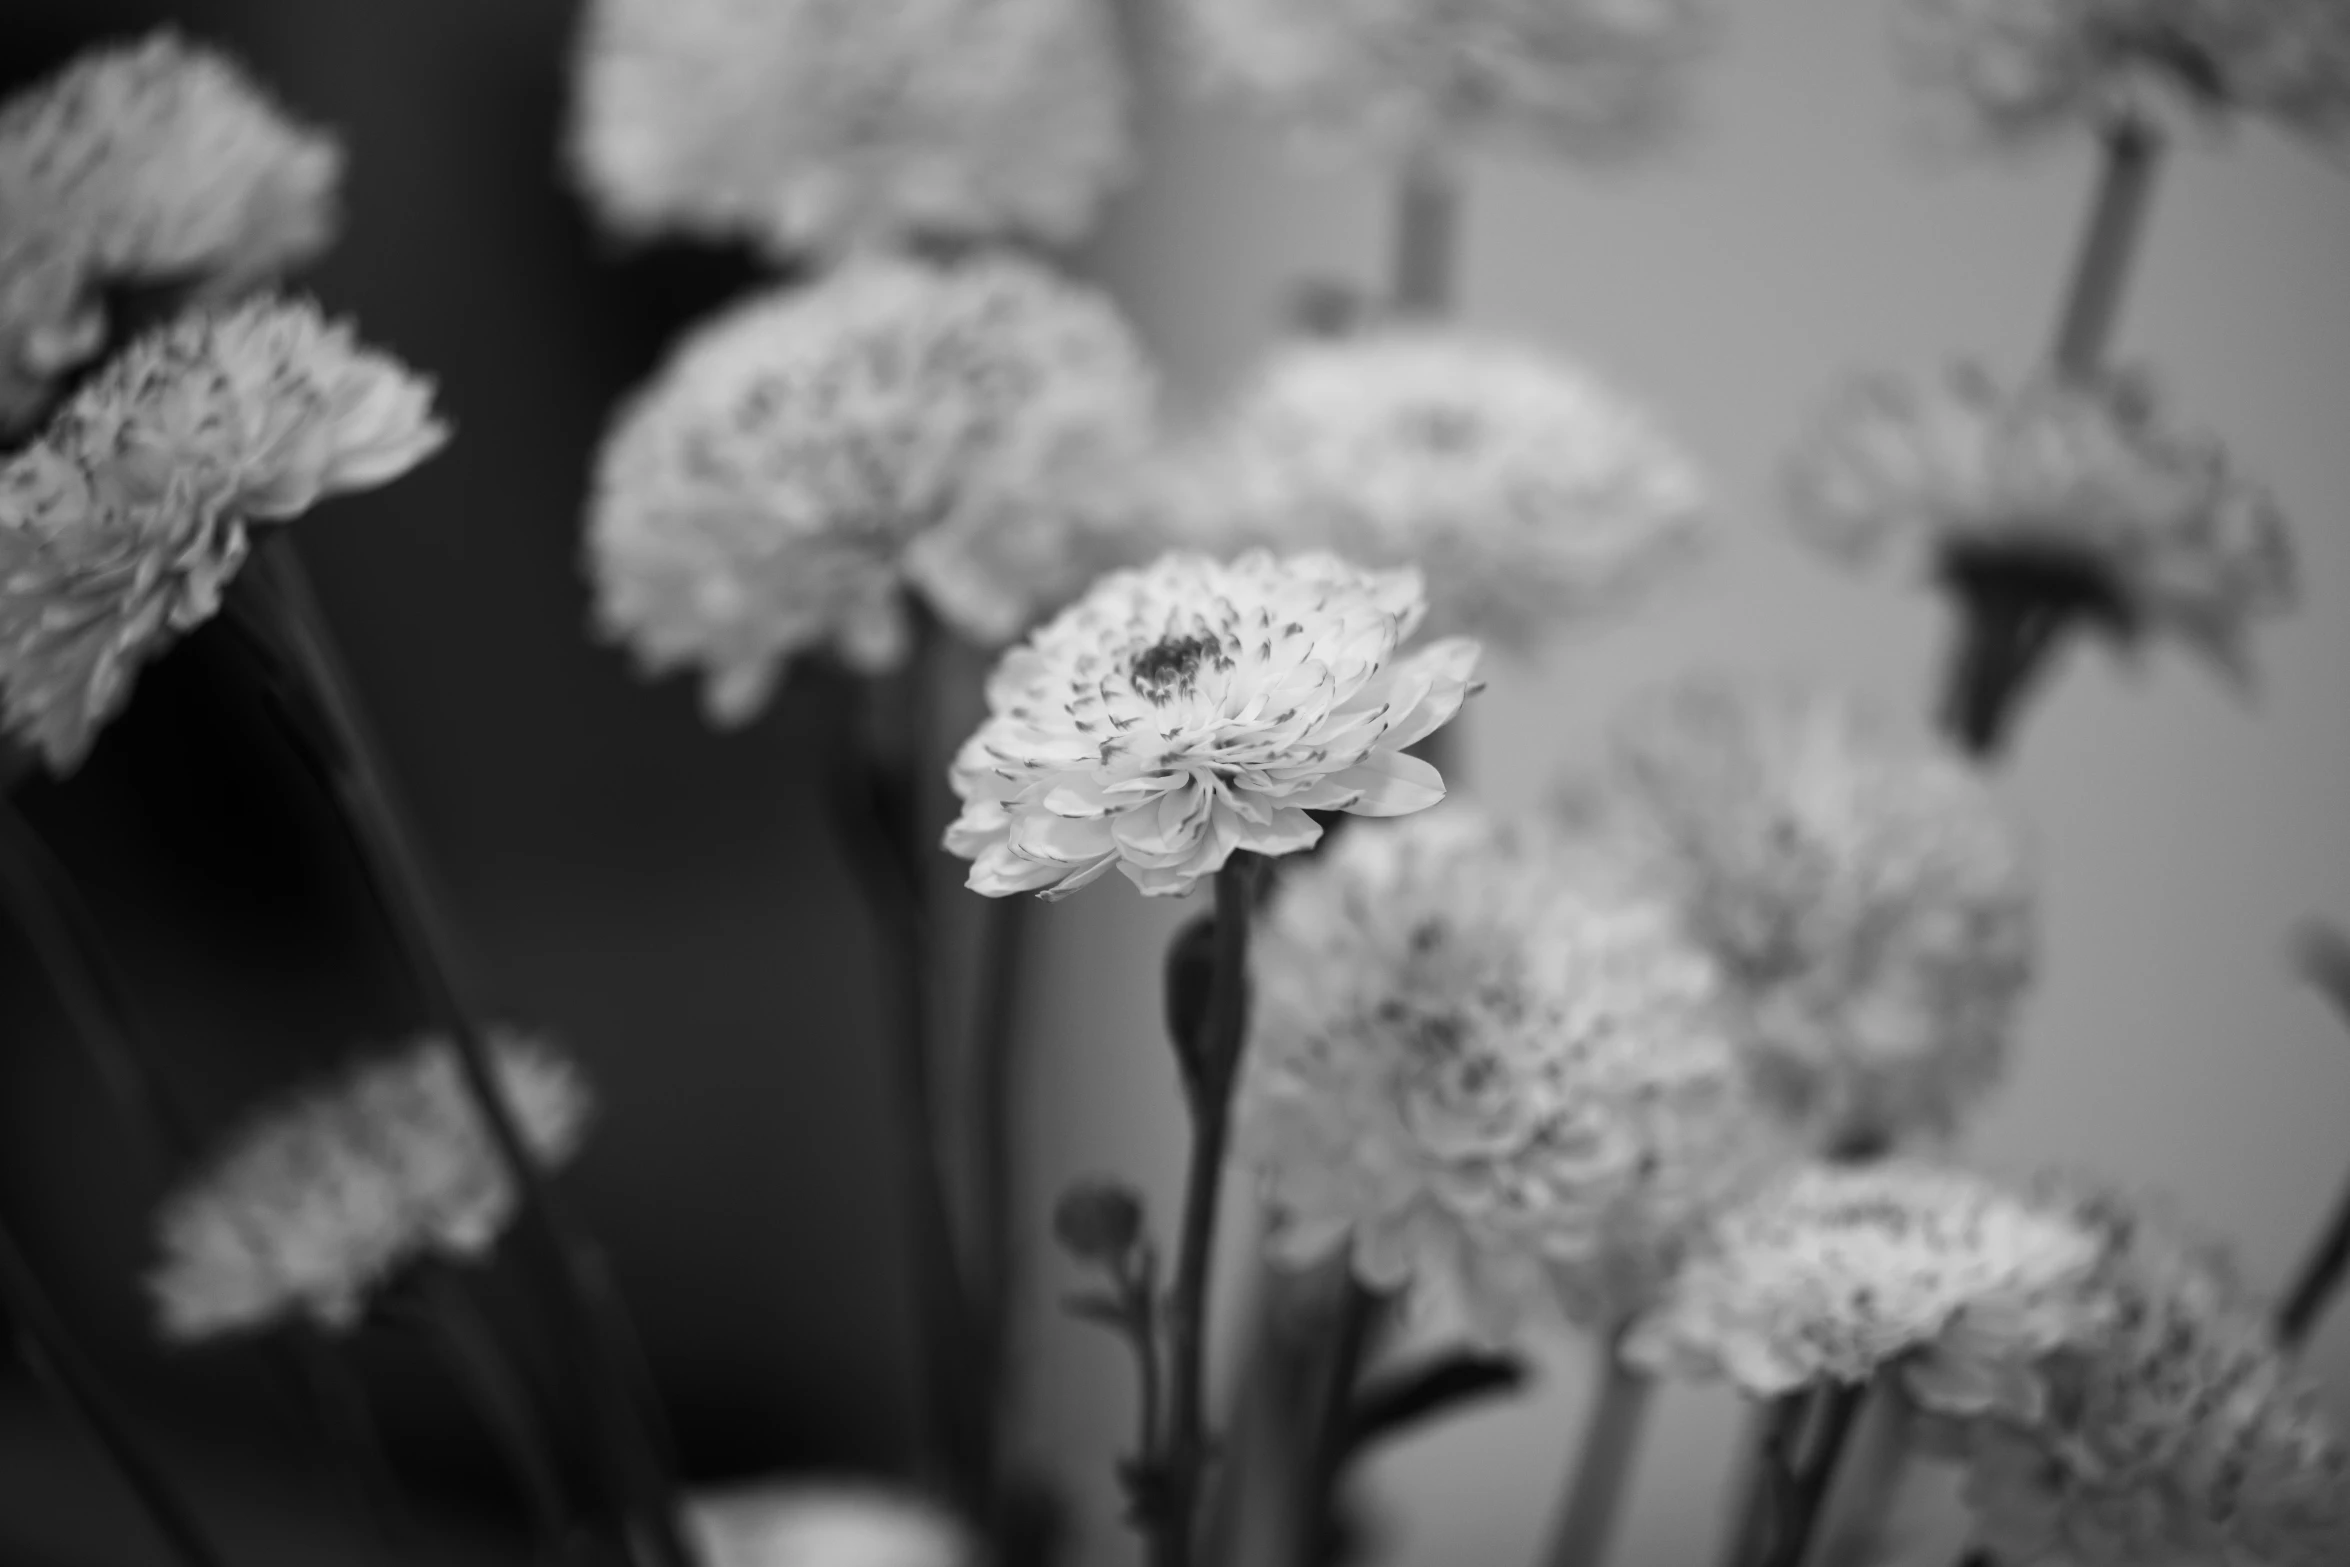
1392	1404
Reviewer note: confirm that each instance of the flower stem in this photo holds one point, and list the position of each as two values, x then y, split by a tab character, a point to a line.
1603	1466
997	1059
2325	962
1774	1428
498	1395
1216	1062
2002	647
332	728
1346	1339
1806	1483
54	1360
1427	238
2117	221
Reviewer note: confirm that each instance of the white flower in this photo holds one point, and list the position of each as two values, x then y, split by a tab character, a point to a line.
804	458
1591	79
829	124
122	525
1181	712
154	163
2025	68
321	1199
2142	527
1528	494
823	1525
1845	1269
1490	1063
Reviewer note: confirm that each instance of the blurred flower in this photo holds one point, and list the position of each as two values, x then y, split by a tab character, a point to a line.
1527	493
122	525
829	124
1842	1270
1871	902
806	456
1490	1063
2025	68
823	1525
151	163
1181	712
2142	528
321	1199
1586	79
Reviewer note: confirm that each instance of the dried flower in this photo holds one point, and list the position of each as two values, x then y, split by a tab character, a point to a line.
122	525
1527	493
2022	69
151	163
2141	527
1842	1270
804	458
1585	79
842	1524
1490	1063
324	1197
830	124
1871	901
1181	712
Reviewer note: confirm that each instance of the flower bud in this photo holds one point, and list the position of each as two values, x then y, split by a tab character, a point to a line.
1098	1221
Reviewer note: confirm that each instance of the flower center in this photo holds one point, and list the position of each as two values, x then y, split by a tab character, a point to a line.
1170	667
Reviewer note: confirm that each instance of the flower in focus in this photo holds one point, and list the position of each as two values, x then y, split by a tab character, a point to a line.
323	1198
838	1525
830	124
1526	492
122	525
1589	79
2024	68
1489	1062
2134	525
1192	708
1843	1269
154	163
1869	899
804	458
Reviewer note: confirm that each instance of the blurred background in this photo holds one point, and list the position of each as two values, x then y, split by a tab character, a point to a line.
663	899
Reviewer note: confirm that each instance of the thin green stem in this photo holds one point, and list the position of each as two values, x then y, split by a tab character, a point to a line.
2109	247
1804	1491
1346	1343
472	1351
1425	278
2324	958
1603	1466
997	1060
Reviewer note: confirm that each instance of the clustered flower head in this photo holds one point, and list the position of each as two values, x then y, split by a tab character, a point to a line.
808	456
1486	1061
848	1524
1587	79
2145	528
2175	1435
2022	69
1870	900
1841	1270
1528	493
145	164
123	524
324	1198
821	125
1193	708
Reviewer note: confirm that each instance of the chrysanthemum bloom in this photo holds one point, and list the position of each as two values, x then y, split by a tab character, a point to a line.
806	458
2079	491
1490	1063
1870	900
1192	708
819	125
322	1199
848	1524
2021	69
1842	1270
157	163
122	525
1528	494
1586	79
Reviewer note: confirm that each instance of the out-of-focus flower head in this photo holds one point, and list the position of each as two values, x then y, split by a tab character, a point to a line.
1192	708
2078	491
805	458
324	1197
152	163
121	526
1529	495
824	125
1841	1270
846	1524
2023	69
1488	1062
1584	79
1870	900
